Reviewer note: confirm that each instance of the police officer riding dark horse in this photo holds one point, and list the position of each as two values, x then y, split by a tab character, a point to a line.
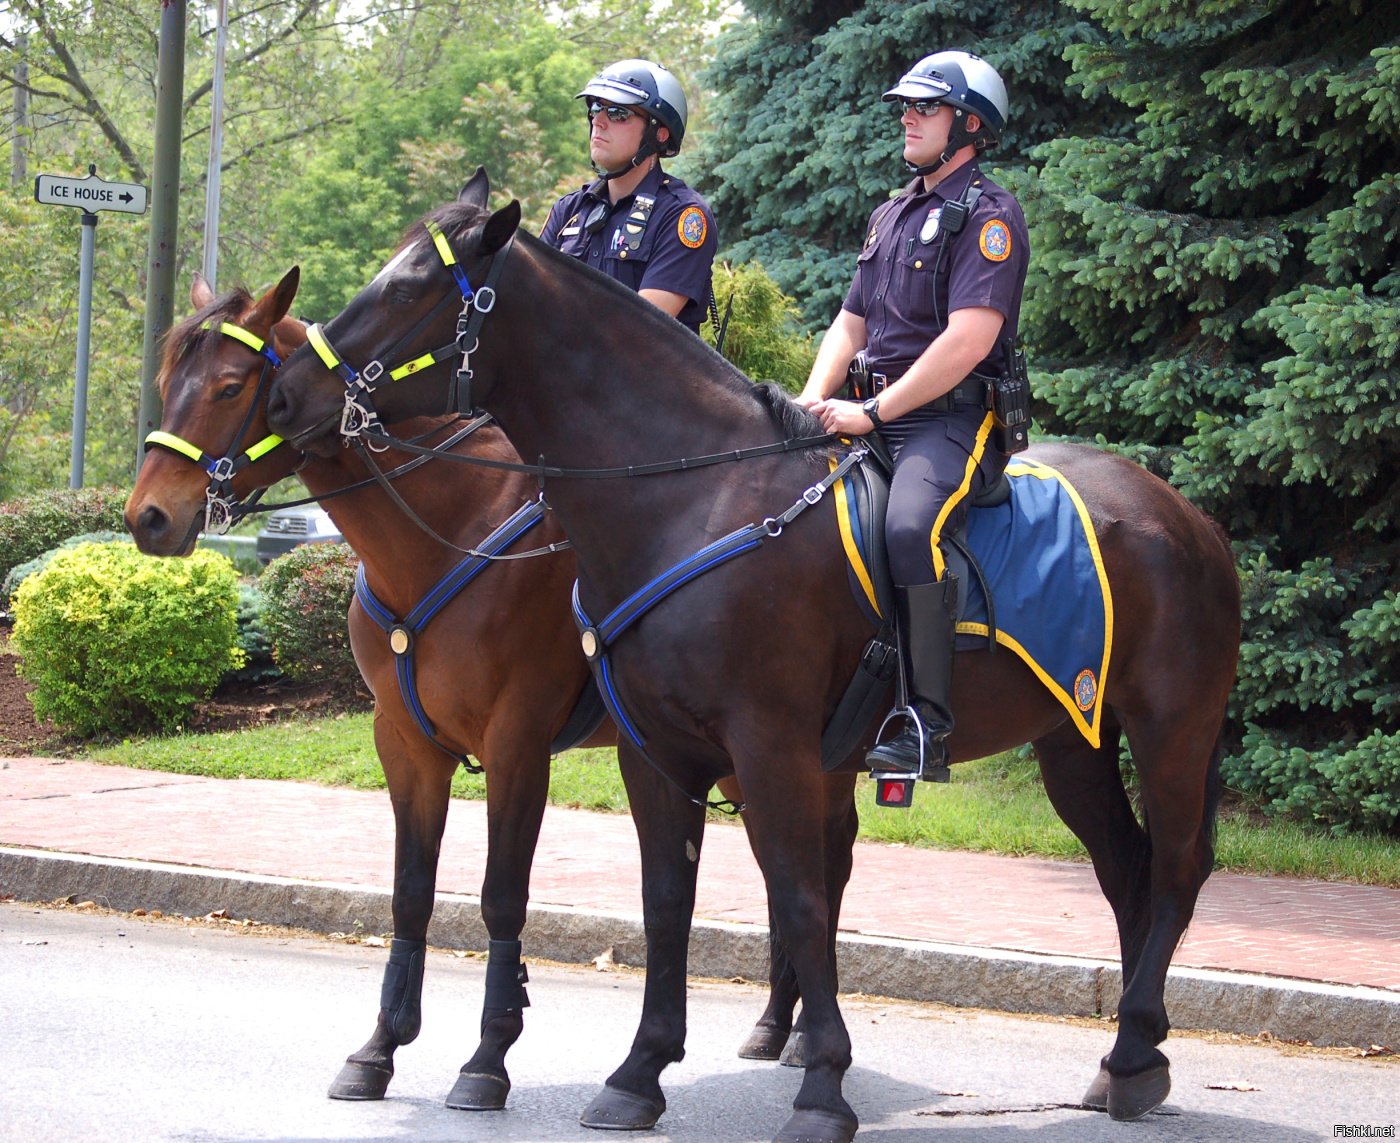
635	223
933	309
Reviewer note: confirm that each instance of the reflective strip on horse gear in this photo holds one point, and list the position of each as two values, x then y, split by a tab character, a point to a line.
598	637
401	632
248	338
221	508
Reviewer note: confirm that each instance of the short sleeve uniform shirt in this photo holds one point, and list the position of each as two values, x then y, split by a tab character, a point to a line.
661	237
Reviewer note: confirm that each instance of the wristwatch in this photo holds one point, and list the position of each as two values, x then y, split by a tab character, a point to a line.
871	409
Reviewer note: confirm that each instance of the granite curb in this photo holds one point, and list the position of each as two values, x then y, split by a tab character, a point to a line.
960	975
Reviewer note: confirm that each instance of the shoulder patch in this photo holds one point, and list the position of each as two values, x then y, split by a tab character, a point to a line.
995	241
692	227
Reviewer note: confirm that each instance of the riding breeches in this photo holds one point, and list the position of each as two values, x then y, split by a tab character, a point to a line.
941	462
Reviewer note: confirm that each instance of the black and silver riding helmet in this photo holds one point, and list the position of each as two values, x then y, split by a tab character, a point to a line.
641	83
968	84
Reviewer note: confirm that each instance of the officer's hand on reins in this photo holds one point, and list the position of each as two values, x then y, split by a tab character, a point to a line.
845	418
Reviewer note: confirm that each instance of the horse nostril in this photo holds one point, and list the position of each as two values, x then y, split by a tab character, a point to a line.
278	410
152	521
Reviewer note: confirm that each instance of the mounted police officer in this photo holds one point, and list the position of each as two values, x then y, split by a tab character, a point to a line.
636	223
934	307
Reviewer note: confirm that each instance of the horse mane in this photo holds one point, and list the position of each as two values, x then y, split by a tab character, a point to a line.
457	218
183	337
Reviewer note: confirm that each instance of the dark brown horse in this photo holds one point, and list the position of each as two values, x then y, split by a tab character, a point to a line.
737	671
498	668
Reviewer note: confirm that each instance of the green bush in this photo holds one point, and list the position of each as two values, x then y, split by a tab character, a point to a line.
20	572
763	337
35	524
116	641
306	595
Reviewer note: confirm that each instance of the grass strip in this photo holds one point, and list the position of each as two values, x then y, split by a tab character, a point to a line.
995	805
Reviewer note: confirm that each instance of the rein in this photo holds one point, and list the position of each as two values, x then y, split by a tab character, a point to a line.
680	464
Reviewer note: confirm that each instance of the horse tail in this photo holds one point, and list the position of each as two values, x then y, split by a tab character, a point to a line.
1215	788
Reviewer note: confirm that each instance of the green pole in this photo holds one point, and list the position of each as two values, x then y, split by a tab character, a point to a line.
165	211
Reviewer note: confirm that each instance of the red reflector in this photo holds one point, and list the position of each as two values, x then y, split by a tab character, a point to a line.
896	792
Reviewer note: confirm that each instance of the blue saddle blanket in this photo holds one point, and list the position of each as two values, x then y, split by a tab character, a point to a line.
1042	564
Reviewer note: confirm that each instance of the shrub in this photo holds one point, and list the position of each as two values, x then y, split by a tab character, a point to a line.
116	641
32	525
20	572
253	639
306	596
763	338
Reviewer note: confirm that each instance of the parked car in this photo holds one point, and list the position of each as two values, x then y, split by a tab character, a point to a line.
289	527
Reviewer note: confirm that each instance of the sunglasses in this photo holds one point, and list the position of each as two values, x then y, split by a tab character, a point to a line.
923	108
614	114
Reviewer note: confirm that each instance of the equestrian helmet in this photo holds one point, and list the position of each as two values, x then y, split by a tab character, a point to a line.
963	80
642	83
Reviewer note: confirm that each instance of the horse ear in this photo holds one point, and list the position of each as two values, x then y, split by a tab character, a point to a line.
499	228
272	307
476	190
200	293
285	292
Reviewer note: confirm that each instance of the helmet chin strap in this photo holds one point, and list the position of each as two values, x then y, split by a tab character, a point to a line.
649	147
958	138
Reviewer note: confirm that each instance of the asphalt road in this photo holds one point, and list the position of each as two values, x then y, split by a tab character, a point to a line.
117	1028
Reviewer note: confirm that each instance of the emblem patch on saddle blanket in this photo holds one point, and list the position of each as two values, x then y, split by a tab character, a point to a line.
1042	564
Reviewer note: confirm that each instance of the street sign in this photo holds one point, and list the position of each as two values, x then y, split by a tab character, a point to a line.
90	194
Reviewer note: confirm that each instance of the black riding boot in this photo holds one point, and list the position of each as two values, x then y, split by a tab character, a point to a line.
926	614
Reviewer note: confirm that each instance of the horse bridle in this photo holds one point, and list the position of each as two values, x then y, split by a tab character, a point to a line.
222	508
359	419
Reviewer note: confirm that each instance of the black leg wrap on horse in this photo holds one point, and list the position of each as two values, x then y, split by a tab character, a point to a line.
506	976
401	997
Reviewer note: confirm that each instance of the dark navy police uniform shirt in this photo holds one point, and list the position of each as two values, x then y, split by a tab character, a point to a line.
912	273
668	246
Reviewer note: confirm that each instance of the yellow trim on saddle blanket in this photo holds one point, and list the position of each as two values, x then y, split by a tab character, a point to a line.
845	510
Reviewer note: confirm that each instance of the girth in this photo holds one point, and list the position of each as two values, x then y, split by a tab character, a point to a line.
597	638
588	713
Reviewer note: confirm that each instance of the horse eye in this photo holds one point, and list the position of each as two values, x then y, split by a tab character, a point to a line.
230	391
400	295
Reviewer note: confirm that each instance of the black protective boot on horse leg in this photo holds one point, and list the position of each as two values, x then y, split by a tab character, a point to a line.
926	615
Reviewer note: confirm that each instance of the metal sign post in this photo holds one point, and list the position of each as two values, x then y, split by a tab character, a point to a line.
90	195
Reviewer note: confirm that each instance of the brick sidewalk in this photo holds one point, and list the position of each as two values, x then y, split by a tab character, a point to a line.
1275	926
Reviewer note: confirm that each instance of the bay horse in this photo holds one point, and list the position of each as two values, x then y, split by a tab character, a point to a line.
736	671
498	670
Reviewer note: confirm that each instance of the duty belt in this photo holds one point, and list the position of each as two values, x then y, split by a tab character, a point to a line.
972	391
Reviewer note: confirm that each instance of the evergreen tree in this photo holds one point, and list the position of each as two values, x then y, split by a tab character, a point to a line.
801	148
1217	294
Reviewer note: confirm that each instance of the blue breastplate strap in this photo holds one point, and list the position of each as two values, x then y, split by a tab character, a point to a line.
402	632
598	637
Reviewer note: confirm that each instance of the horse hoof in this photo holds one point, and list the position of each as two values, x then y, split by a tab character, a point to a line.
1097	1095
794	1052
763	1044
615	1110
1132	1097
478	1091
361	1081
817	1127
